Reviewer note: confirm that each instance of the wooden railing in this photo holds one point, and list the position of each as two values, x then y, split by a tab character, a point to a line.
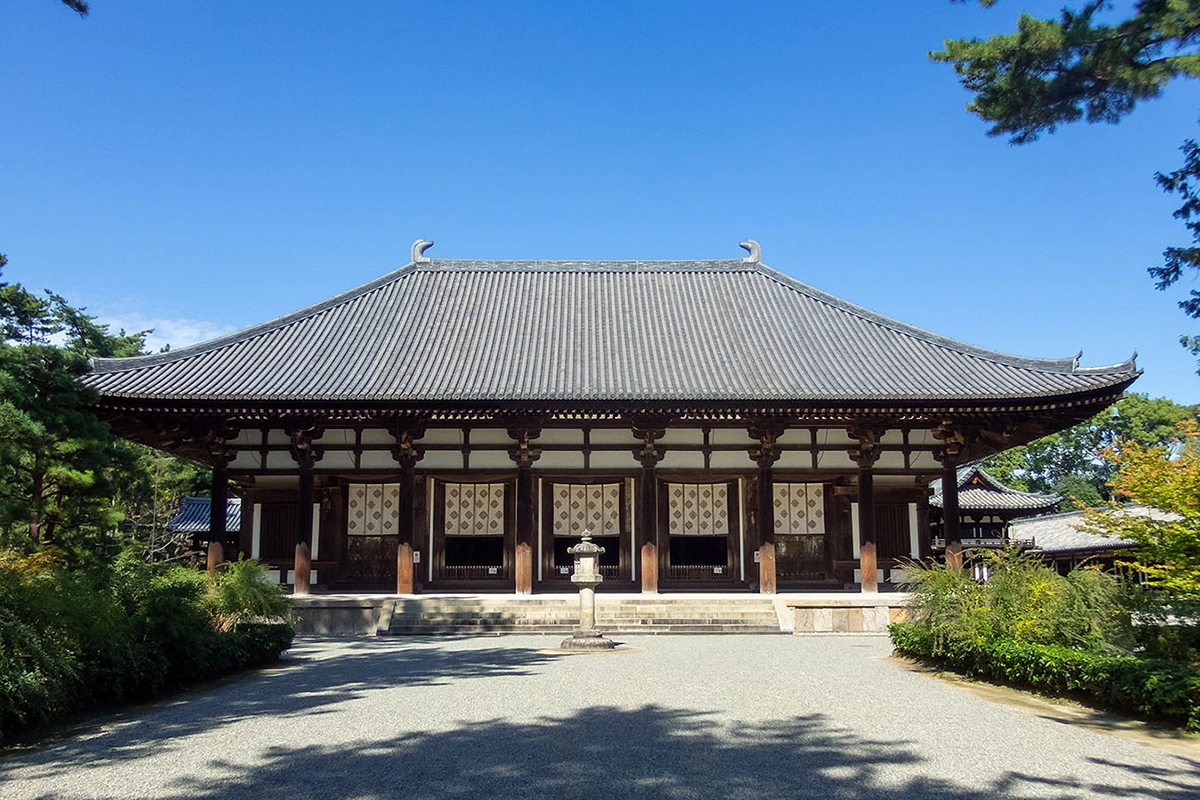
473	572
688	572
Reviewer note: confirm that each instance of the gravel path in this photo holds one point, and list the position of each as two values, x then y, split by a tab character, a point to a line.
669	717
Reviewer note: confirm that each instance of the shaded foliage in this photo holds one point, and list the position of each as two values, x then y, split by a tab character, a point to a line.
1070	463
64	478
1023	600
1055	71
72	638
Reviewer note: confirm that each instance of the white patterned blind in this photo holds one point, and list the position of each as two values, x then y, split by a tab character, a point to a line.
592	507
698	509
373	509
474	509
799	508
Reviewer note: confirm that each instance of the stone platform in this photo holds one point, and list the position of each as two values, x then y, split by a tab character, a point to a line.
489	614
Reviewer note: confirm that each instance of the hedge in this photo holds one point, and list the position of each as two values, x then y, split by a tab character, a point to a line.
73	640
1142	687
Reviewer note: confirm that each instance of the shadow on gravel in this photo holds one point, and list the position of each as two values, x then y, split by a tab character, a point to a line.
301	685
605	752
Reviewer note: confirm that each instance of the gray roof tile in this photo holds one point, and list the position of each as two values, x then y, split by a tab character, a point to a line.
1060	533
193	515
991	494
726	330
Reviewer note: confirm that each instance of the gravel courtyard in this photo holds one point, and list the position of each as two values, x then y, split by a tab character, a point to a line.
666	717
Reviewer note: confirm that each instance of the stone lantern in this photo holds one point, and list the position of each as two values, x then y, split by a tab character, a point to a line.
587	576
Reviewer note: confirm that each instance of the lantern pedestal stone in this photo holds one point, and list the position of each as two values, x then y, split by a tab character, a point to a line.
587	577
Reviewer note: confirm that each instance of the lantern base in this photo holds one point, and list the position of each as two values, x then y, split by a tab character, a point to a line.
587	640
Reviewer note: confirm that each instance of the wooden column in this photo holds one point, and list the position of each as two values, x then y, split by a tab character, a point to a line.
951	525
648	455
765	454
954	439
866	531
220	455
524	455
217	518
865	455
408	454
306	455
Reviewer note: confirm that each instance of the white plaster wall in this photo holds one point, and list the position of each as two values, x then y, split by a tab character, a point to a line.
613	436
615	460
492	459
559	460
342	459
377	436
440	460
378	459
682	460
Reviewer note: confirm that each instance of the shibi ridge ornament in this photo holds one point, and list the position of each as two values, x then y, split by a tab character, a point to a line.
587	577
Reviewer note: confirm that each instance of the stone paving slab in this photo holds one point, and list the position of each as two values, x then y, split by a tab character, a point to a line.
662	717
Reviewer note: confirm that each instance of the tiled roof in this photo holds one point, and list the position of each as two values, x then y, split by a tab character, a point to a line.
1059	533
464	331
193	516
979	491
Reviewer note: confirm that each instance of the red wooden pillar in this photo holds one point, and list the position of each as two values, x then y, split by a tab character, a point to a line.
866	531
526	530
408	454
524	455
954	439
766	529
302	576
218	534
648	455
865	455
951	527
306	455
648	529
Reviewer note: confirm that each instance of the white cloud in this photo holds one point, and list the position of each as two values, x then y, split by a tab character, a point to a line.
174	332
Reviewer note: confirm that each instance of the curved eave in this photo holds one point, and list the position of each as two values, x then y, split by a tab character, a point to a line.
349	349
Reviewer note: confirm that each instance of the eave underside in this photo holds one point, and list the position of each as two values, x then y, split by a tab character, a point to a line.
992	424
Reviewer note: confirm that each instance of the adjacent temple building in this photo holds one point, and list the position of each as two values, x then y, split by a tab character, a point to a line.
459	424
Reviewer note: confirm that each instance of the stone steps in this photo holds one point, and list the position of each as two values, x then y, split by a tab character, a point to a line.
474	616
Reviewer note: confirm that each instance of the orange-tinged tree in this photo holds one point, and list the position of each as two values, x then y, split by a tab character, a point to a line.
1166	479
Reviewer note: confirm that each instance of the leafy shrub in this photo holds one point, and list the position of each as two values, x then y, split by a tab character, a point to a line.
1024	601
1152	688
71	638
240	593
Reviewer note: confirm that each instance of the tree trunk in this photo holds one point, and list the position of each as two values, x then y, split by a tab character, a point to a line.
35	499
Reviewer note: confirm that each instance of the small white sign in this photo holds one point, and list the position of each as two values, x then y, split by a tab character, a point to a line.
493	570
718	570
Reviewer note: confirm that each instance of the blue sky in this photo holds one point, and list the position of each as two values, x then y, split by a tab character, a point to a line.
202	167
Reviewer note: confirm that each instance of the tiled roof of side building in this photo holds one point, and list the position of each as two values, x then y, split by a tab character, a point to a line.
979	491
193	515
450	331
1066	533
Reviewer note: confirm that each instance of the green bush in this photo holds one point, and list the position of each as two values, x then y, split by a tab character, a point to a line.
1024	601
1145	687
240	593
70	639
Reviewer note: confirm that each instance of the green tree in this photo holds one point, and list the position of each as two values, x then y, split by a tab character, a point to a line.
1166	479
1064	462
64	478
54	451
1052	72
148	489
